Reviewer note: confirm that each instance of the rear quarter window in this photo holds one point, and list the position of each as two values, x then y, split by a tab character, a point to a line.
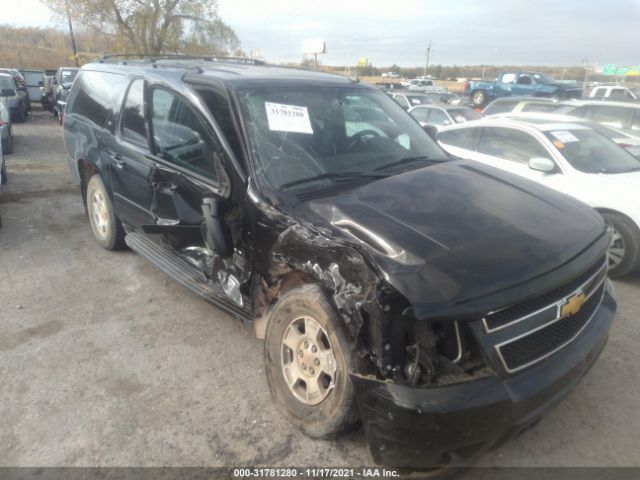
95	95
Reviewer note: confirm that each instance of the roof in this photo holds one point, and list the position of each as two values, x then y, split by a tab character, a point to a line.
610	103
443	106
231	71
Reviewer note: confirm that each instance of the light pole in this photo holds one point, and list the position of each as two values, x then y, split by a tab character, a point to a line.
73	38
426	65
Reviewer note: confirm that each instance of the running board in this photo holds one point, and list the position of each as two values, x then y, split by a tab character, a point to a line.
183	272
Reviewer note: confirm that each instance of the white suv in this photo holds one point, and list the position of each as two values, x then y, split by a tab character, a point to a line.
570	157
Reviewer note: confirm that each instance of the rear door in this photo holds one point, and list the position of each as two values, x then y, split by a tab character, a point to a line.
131	165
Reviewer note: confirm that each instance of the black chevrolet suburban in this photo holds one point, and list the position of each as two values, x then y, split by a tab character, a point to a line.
445	304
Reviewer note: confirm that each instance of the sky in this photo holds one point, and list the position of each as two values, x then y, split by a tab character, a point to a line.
463	32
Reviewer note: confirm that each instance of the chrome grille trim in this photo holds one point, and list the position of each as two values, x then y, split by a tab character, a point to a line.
558	304
559	318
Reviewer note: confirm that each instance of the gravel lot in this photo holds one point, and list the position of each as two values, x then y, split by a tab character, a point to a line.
106	361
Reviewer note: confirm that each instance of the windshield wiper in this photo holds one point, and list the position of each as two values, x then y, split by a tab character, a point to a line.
332	176
408	160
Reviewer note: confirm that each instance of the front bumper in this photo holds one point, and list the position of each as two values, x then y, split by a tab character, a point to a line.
453	425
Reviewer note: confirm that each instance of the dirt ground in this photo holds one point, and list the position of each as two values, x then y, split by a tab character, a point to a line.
106	361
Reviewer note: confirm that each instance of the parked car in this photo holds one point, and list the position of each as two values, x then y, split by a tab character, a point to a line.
620	115
530	84
21	86
390	284
34	80
3	171
520	104
424	85
6	131
10	94
572	158
62	82
47	93
441	115
630	143
410	99
613	92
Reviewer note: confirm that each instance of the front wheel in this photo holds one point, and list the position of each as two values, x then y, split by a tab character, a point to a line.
624	249
478	98
308	358
106	227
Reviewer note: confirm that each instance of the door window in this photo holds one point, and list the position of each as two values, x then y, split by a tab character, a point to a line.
611	116
401	101
466	138
524	80
511	144
438	117
134	124
179	135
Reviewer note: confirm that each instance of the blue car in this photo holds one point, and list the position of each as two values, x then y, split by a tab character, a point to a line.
529	84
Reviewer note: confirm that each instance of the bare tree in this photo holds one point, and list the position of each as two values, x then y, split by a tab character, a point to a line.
154	26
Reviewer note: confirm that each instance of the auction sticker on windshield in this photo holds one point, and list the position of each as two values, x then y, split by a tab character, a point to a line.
288	118
564	136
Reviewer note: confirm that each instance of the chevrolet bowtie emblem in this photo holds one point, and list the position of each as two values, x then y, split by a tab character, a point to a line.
573	305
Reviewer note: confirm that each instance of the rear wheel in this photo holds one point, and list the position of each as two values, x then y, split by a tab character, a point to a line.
106	227
478	98
624	249
308	357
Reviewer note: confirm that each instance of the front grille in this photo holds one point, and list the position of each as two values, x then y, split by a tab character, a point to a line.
539	344
506	316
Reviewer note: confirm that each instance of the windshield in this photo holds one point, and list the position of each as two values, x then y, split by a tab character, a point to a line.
591	152
544	79
310	138
461	115
68	75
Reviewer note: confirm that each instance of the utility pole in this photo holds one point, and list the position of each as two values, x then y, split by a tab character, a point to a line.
73	38
426	66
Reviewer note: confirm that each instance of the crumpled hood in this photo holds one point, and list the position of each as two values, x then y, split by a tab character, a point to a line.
453	232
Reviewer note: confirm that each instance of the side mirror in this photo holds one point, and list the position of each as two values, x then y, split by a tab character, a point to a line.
542	165
431	130
8	92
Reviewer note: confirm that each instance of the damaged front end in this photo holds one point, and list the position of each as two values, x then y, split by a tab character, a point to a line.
429	382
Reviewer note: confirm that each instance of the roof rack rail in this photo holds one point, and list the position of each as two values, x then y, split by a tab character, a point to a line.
154	57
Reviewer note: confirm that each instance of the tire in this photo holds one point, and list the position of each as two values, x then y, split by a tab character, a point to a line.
624	250
329	412
105	225
478	98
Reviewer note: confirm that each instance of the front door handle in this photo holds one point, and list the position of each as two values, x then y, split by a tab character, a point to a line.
165	187
118	161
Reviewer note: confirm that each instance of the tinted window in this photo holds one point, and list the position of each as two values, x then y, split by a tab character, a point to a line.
421	114
219	107
466	138
402	101
134	125
599	92
420	100
500	107
524	80
460	115
95	94
611	116
540	107
511	145
438	117
179	135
